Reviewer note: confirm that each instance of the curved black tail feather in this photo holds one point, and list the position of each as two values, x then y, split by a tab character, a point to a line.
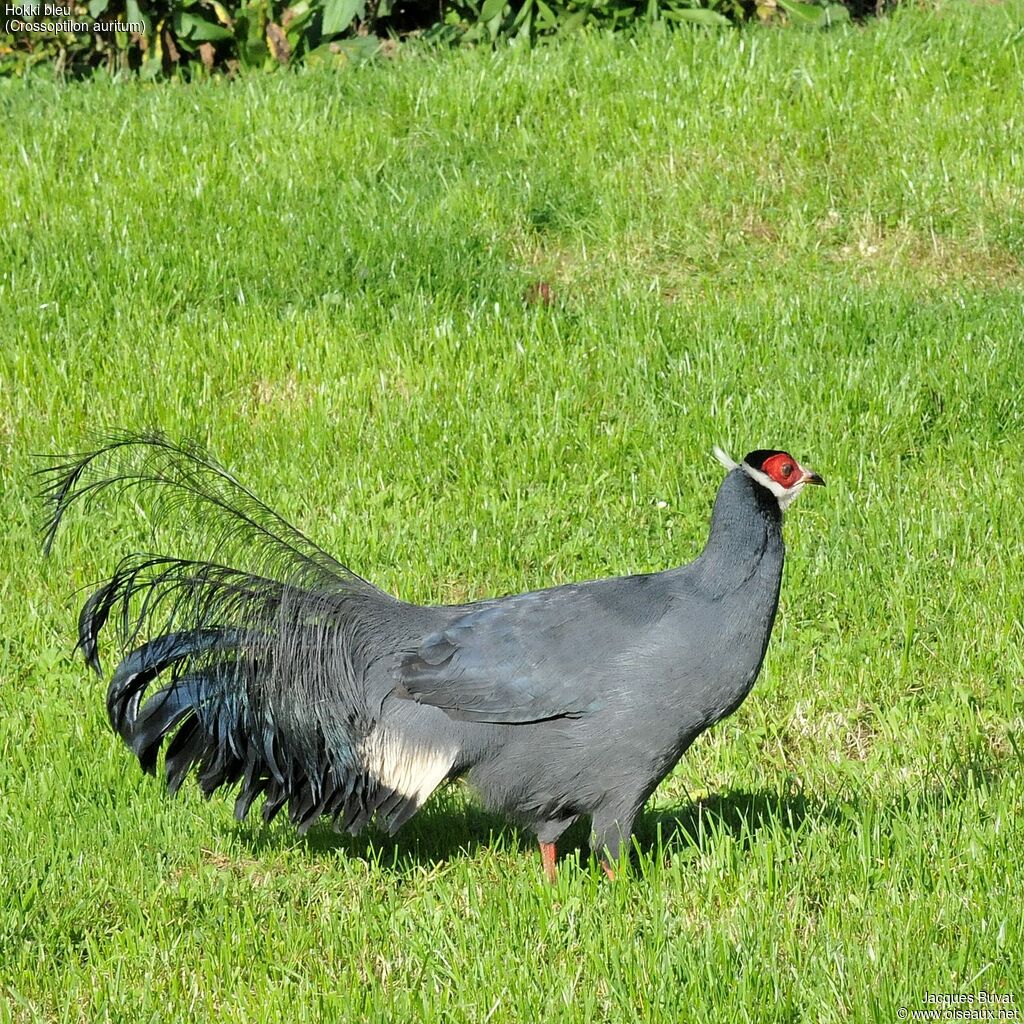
263	662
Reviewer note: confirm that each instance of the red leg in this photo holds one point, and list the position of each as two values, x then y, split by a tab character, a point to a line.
547	856
608	869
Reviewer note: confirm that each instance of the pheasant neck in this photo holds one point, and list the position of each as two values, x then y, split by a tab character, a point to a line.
745	537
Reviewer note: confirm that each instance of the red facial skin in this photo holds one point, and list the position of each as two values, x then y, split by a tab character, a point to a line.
783	469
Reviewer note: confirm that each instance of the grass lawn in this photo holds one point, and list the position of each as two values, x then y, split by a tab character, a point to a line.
757	238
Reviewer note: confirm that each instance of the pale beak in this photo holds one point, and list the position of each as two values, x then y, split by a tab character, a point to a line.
812	478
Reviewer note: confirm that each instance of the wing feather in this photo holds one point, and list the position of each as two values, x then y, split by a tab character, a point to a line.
531	657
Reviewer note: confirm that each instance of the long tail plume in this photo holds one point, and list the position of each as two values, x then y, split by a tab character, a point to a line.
261	661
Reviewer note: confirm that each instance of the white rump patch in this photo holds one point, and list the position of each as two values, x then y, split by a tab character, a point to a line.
411	769
729	463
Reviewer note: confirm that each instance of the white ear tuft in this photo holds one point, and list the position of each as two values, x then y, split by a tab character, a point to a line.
724	459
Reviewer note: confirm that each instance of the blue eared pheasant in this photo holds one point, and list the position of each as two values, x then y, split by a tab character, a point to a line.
273	668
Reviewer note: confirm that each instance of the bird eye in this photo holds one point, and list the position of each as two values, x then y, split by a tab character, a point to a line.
787	469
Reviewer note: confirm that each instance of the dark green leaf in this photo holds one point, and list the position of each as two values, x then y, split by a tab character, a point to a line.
698	16
133	13
545	16
834	14
805	14
339	14
573	22
358	49
524	13
192	27
297	26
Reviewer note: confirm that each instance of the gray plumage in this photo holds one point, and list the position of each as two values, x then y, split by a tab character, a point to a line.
287	675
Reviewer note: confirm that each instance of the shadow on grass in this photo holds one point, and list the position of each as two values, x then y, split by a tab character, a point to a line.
447	828
451	827
741	815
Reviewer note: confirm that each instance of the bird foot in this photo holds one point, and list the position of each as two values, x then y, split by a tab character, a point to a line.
547	856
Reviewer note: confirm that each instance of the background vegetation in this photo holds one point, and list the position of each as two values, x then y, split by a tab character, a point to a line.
185	38
474	321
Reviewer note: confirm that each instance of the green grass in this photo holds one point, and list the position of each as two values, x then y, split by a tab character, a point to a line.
758	238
